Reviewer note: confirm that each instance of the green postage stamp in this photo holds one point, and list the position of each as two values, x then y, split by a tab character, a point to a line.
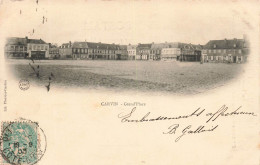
21	142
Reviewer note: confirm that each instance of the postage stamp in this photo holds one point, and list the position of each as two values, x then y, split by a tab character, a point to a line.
22	142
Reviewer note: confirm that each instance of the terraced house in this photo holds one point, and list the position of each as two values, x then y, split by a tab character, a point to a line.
131	51
230	51
156	50
143	51
23	47
80	50
98	51
181	52
121	52
65	50
16	47
37	49
54	51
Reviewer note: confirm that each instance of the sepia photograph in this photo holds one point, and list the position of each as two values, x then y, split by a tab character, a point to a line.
133	51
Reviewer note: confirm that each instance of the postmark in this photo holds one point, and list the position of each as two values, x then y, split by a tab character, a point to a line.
22	142
24	84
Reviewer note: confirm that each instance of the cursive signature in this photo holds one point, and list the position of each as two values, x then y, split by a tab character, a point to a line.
189	130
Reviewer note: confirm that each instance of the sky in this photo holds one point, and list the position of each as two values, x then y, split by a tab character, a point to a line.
124	22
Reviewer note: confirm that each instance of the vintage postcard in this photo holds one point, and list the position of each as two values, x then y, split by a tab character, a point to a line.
129	82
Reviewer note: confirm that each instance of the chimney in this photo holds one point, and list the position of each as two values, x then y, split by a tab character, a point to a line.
70	43
129	44
225	40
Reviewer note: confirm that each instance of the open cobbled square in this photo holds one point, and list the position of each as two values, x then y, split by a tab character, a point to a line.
164	76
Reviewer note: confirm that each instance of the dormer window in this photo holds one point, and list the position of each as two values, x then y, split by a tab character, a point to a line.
235	45
215	45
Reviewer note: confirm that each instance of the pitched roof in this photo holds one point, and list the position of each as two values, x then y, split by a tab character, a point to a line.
36	41
123	47
225	44
80	45
16	41
94	45
144	46
182	46
190	46
159	45
64	44
131	46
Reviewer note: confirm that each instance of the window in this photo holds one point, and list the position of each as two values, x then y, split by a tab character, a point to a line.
46	47
219	50
209	50
224	50
215	45
215	51
34	47
42	47
239	51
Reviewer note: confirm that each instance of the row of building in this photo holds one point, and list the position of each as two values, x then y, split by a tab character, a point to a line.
226	50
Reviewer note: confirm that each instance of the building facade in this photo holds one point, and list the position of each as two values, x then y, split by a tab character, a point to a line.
121	53
54	51
80	51
143	51
190	52
16	47
181	52
98	51
156	50
37	49
131	51
227	51
65	51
